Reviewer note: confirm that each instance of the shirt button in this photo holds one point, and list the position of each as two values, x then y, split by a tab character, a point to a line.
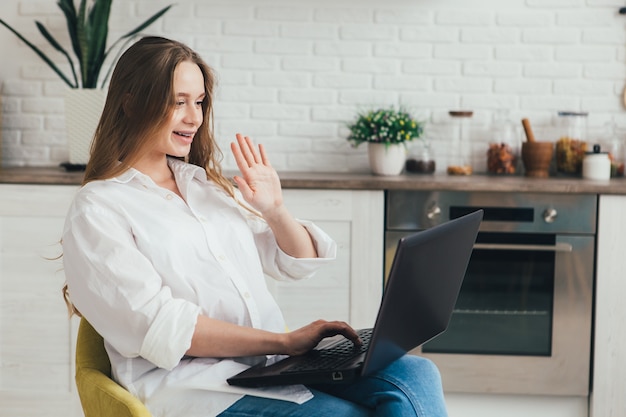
169	197
247	295
221	257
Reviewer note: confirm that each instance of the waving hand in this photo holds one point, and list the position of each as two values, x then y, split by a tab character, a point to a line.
259	183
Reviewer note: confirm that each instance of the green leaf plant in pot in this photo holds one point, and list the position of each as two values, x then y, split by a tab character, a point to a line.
88	29
386	131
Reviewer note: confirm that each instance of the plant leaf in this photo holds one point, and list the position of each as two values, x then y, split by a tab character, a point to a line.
67	7
58	47
97	30
41	55
117	56
147	22
133	32
83	42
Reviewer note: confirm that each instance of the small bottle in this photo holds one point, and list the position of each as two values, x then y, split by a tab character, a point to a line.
596	165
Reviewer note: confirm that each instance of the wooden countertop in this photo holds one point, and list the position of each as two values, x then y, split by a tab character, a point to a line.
312	180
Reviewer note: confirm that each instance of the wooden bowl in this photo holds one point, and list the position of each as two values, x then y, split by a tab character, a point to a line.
536	157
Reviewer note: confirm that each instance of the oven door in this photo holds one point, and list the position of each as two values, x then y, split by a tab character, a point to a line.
522	321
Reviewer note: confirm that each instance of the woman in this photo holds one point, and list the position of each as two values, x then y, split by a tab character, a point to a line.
167	263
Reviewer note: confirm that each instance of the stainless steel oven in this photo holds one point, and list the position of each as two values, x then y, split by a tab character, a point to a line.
522	322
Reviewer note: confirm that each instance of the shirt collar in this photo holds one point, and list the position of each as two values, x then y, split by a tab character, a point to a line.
181	169
186	171
126	176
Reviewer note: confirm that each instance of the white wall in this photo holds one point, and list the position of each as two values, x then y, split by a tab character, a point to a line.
293	72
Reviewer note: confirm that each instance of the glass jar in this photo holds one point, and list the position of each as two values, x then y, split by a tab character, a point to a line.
614	143
459	163
504	148
421	160
571	145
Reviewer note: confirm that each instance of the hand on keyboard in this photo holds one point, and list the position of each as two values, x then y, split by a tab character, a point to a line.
306	338
333	357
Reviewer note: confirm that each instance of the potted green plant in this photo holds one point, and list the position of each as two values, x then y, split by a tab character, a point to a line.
386	131
87	28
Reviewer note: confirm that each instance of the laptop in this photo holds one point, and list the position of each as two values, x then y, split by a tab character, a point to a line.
422	288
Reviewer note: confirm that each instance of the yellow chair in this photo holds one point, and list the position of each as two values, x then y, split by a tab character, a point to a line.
100	396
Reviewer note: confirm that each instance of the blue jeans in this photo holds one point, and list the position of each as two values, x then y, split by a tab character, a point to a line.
410	386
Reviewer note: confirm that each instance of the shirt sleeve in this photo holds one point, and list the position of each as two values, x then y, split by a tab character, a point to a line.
281	266
111	282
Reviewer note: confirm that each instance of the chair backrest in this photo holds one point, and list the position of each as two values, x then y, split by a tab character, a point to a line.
101	396
90	351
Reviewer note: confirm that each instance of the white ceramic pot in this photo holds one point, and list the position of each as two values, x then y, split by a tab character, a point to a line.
386	159
83	108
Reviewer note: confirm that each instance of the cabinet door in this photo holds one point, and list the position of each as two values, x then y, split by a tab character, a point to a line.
609	361
36	336
350	288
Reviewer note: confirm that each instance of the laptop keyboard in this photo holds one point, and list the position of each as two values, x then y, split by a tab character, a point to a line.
332	357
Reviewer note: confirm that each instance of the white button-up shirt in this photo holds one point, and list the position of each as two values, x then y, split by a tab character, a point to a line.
141	264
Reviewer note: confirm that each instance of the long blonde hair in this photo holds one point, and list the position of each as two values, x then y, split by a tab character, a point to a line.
139	102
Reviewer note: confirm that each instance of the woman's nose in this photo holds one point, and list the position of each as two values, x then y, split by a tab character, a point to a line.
193	115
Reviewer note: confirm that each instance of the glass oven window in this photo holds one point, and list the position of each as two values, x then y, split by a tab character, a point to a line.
505	306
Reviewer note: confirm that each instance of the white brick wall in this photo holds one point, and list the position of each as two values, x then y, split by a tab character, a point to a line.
292	73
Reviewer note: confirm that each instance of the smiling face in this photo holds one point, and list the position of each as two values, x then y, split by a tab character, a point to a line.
176	136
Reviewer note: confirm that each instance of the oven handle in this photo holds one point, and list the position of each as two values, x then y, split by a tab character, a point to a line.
558	247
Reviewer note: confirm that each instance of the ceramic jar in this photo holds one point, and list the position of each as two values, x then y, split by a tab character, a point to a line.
596	165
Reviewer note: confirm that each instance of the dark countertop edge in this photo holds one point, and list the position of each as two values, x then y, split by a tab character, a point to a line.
365	181
43	176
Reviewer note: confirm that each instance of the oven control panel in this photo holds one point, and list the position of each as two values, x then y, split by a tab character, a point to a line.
506	212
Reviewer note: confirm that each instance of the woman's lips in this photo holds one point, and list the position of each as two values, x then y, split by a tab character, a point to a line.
186	137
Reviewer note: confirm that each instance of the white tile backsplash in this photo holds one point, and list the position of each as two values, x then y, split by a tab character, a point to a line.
292	73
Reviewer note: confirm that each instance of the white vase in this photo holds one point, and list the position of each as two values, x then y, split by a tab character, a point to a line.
83	108
386	159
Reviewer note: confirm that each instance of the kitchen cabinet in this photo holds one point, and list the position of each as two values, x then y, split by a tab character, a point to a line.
351	287
609	361
37	339
36	336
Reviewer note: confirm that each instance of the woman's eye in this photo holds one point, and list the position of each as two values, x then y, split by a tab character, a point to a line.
199	103
180	103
